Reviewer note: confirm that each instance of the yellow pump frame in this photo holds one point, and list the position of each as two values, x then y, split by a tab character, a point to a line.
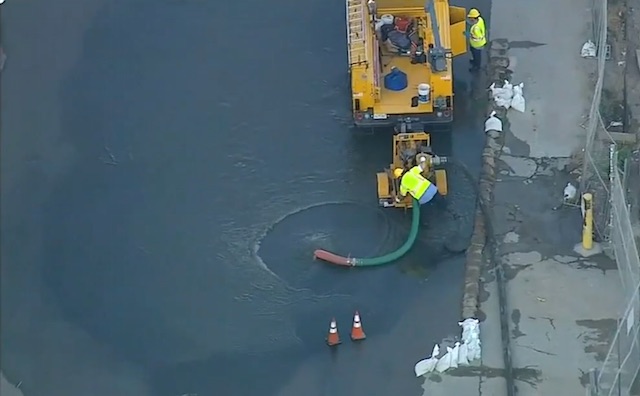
388	185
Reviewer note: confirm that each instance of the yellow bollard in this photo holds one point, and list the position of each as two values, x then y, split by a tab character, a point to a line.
587	226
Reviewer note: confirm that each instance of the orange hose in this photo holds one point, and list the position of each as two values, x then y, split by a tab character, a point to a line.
380	260
333	258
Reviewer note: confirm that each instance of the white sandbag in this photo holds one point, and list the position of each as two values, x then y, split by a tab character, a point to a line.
469	322
444	363
470	327
455	353
471	352
471	338
569	193
478	351
493	123
518	102
427	365
507	89
589	50
499	94
504	93
495	91
503	102
436	351
518	89
473	349
463	360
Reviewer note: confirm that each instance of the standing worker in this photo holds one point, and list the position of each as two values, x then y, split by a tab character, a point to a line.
477	38
414	183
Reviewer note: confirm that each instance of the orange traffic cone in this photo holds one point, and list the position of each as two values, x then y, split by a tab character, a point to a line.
357	333
333	338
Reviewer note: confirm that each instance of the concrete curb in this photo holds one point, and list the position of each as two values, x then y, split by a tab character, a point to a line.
3	58
497	71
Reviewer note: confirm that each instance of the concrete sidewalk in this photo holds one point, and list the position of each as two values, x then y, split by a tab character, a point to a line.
8	389
561	309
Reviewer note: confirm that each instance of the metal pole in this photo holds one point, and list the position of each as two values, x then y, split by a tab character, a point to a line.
613	169
593	383
587	227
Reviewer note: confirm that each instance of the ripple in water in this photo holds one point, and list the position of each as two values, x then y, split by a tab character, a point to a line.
344	228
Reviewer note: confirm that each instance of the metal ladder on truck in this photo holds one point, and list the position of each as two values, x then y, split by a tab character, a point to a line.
356	32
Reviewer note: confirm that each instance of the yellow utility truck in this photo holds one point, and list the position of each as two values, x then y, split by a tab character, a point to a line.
400	61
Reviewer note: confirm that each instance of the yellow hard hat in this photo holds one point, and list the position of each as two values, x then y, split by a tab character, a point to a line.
473	13
397	172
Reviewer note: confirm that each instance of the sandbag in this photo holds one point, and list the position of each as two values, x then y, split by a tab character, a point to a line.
493	123
589	50
426	366
502	96
455	352
463	360
444	363
518	102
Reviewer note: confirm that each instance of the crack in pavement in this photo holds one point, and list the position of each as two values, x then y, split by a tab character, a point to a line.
537	350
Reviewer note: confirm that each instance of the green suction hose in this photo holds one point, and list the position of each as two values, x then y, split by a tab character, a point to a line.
411	239
380	260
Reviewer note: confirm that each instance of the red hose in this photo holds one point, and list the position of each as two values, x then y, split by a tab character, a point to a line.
333	258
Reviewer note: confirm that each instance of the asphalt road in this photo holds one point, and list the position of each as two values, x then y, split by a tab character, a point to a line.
212	152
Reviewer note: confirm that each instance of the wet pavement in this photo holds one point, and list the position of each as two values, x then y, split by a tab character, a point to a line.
212	154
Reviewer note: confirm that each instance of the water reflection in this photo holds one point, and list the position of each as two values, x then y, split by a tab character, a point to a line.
216	136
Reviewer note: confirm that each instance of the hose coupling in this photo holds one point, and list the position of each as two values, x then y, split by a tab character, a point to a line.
436	160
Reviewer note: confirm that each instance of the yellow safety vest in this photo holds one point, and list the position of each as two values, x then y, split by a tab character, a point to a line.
478	34
414	183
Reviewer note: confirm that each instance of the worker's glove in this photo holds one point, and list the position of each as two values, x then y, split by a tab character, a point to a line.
465	34
398	199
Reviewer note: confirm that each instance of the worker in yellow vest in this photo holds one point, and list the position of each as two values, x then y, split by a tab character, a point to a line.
477	38
412	182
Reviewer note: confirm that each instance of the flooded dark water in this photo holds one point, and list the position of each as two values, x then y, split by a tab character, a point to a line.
213	154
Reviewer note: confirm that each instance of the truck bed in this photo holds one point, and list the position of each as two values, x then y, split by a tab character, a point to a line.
399	102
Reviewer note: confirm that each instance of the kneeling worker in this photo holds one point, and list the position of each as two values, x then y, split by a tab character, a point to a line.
414	183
